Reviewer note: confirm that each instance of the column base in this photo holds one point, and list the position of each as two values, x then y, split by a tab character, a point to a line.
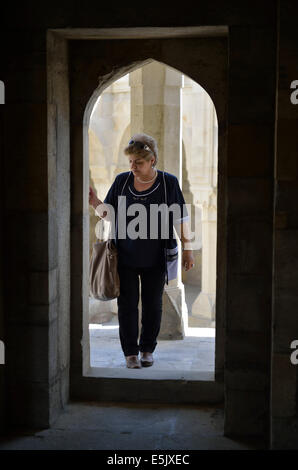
102	311
174	317
204	306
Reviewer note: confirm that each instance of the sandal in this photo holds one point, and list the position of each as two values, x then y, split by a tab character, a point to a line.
132	362
146	359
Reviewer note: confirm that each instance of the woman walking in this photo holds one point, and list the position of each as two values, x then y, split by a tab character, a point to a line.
143	256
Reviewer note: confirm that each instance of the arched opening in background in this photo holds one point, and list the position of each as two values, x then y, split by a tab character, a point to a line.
162	102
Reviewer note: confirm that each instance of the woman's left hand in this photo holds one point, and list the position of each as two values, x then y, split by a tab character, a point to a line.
188	260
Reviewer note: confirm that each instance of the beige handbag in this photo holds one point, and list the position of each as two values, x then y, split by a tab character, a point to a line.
103	272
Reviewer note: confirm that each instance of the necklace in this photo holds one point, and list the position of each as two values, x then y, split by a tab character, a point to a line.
149	181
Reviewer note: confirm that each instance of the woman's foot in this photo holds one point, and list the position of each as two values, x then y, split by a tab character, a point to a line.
146	359
132	362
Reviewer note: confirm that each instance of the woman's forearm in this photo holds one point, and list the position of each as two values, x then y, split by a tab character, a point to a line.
98	205
185	236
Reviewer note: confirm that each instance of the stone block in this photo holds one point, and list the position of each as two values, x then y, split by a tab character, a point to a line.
280	220
287	150
2	400
249	303
284	433
246	413
53	284
172	325
37	241
204	306
247	350
286	261
27	232
27	153
252	99
251	46
246	379
286	204
58	395
286	109
252	62
28	404
53	258
102	312
27	352
250	245
261	52
250	150
55	351
250	195
42	287
52	141
285	325
64	384
16	293
284	383
55	403
29	85
39	315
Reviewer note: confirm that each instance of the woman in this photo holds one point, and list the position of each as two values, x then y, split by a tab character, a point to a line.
143	255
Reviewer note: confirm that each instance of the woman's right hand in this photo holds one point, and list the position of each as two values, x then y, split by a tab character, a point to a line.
93	199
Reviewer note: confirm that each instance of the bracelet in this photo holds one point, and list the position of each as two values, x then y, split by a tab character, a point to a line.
187	246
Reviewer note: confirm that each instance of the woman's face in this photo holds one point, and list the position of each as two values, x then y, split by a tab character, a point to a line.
140	166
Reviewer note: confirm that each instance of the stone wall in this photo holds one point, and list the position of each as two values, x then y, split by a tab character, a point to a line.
36	318
250	218
284	381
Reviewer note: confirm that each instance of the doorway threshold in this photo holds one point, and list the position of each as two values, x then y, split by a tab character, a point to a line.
148	373
148	386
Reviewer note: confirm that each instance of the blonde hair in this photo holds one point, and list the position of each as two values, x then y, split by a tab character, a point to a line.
133	149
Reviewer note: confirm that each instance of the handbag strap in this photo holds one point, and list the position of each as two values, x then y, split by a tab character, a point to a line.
164	182
125	183
116	222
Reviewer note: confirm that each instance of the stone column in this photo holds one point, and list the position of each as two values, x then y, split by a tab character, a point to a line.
156	110
204	305
200	130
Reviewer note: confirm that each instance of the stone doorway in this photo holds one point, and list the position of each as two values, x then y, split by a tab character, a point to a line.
80	67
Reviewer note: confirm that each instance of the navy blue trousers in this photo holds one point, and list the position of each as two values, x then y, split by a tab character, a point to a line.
152	286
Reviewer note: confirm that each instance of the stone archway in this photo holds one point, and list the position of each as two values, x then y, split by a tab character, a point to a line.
105	64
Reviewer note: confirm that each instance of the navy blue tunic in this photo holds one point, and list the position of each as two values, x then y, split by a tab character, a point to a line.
144	251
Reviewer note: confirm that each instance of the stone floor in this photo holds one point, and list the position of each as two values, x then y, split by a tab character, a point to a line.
196	352
137	426
107	426
123	426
